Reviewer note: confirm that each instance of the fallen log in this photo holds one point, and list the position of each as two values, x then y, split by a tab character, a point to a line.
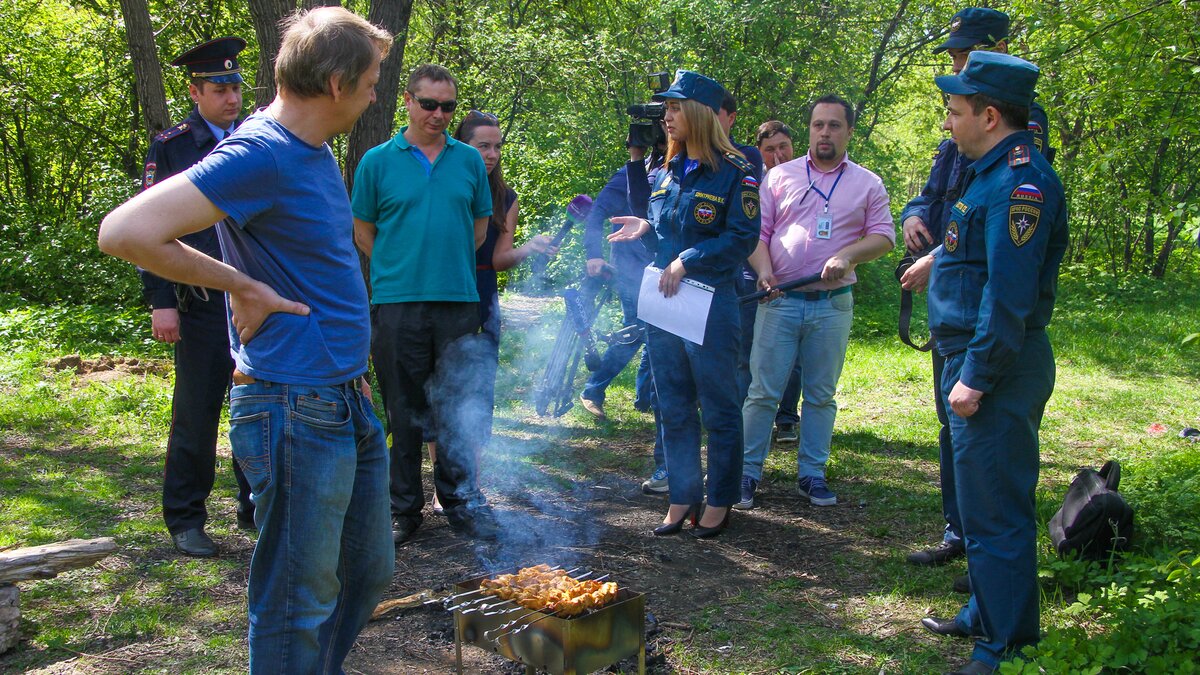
47	562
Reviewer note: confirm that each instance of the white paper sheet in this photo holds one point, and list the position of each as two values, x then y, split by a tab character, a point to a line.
684	314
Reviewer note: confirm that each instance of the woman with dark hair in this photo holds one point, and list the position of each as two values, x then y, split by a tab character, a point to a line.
704	211
481	131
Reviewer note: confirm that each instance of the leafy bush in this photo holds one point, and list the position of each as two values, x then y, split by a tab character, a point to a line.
89	329
1146	619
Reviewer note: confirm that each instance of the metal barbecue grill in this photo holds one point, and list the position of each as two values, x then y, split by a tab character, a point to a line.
585	643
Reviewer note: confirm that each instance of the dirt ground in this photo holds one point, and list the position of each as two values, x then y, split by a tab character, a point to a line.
680	575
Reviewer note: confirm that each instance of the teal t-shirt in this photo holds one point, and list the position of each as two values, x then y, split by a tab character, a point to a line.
424	218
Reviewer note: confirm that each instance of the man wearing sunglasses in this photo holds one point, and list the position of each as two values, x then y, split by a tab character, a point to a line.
421	207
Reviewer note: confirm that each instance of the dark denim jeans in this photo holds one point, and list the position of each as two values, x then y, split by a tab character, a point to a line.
317	466
617	356
687	375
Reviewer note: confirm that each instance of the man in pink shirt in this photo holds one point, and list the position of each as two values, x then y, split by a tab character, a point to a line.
823	214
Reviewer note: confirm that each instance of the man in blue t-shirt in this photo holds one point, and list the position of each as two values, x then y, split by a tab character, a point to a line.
301	424
421	207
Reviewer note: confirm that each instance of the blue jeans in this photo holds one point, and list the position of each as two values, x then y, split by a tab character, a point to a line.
617	356
318	470
687	374
787	414
795	333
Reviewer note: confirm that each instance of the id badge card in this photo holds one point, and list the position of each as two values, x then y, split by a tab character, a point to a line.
824	225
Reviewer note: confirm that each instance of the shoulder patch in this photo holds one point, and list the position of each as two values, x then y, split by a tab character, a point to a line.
1019	155
739	162
1022	222
173	132
1027	192
750	203
148	174
749	181
1034	127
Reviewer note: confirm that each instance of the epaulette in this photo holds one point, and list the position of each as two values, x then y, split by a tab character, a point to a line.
173	132
1019	155
740	162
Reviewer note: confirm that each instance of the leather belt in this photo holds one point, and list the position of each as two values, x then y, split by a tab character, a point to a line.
818	295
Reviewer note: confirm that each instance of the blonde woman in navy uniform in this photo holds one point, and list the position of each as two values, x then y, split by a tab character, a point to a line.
704	211
193	319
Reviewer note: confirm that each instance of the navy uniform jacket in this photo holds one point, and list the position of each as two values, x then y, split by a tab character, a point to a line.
997	275
941	190
709	220
629	257
171	152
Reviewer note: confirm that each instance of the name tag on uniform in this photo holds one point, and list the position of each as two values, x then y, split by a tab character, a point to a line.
824	225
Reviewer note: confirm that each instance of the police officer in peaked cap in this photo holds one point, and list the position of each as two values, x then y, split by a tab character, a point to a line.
924	222
193	319
991	296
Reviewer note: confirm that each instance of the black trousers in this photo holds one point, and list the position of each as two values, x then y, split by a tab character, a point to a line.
429	361
203	368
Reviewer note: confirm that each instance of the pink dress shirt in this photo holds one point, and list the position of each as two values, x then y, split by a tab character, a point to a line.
790	208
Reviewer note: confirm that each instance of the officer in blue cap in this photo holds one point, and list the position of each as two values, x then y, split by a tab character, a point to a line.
704	210
924	223
193	319
991	295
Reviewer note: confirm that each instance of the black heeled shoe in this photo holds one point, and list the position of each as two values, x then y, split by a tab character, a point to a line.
710	532
667	529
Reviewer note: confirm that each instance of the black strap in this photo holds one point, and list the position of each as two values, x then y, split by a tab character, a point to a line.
906	305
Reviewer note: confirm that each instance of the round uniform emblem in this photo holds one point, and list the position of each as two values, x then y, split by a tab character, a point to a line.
956	24
705	213
951	242
228	64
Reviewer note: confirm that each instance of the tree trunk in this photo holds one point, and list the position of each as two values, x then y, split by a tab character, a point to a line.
146	69
266	15
45	562
375	125
10	617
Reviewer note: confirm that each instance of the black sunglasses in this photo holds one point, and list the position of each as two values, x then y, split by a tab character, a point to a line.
432	104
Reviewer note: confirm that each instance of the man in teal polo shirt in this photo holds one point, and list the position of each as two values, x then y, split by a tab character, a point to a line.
421	206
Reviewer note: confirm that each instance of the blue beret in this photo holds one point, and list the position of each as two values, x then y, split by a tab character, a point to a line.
215	60
975	26
697	87
1001	76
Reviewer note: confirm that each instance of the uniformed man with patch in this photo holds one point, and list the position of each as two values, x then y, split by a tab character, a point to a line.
924	222
991	295
193	319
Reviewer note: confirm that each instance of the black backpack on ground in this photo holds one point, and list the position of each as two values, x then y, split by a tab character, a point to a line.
1094	519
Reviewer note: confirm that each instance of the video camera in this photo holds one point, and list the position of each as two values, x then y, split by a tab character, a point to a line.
646	131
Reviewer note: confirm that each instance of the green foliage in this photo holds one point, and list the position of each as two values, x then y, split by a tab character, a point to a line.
1145	619
87	329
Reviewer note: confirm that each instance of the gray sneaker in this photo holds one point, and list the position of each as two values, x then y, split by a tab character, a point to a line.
786	433
749	487
656	484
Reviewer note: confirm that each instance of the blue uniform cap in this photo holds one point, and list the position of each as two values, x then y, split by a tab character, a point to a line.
215	60
1001	76
697	87
975	26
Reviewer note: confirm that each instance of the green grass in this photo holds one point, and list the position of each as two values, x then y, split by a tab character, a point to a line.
82	458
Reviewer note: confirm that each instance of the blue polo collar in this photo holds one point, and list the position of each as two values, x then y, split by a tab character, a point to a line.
402	142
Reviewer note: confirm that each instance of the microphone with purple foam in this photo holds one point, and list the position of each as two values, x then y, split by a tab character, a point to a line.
577	212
